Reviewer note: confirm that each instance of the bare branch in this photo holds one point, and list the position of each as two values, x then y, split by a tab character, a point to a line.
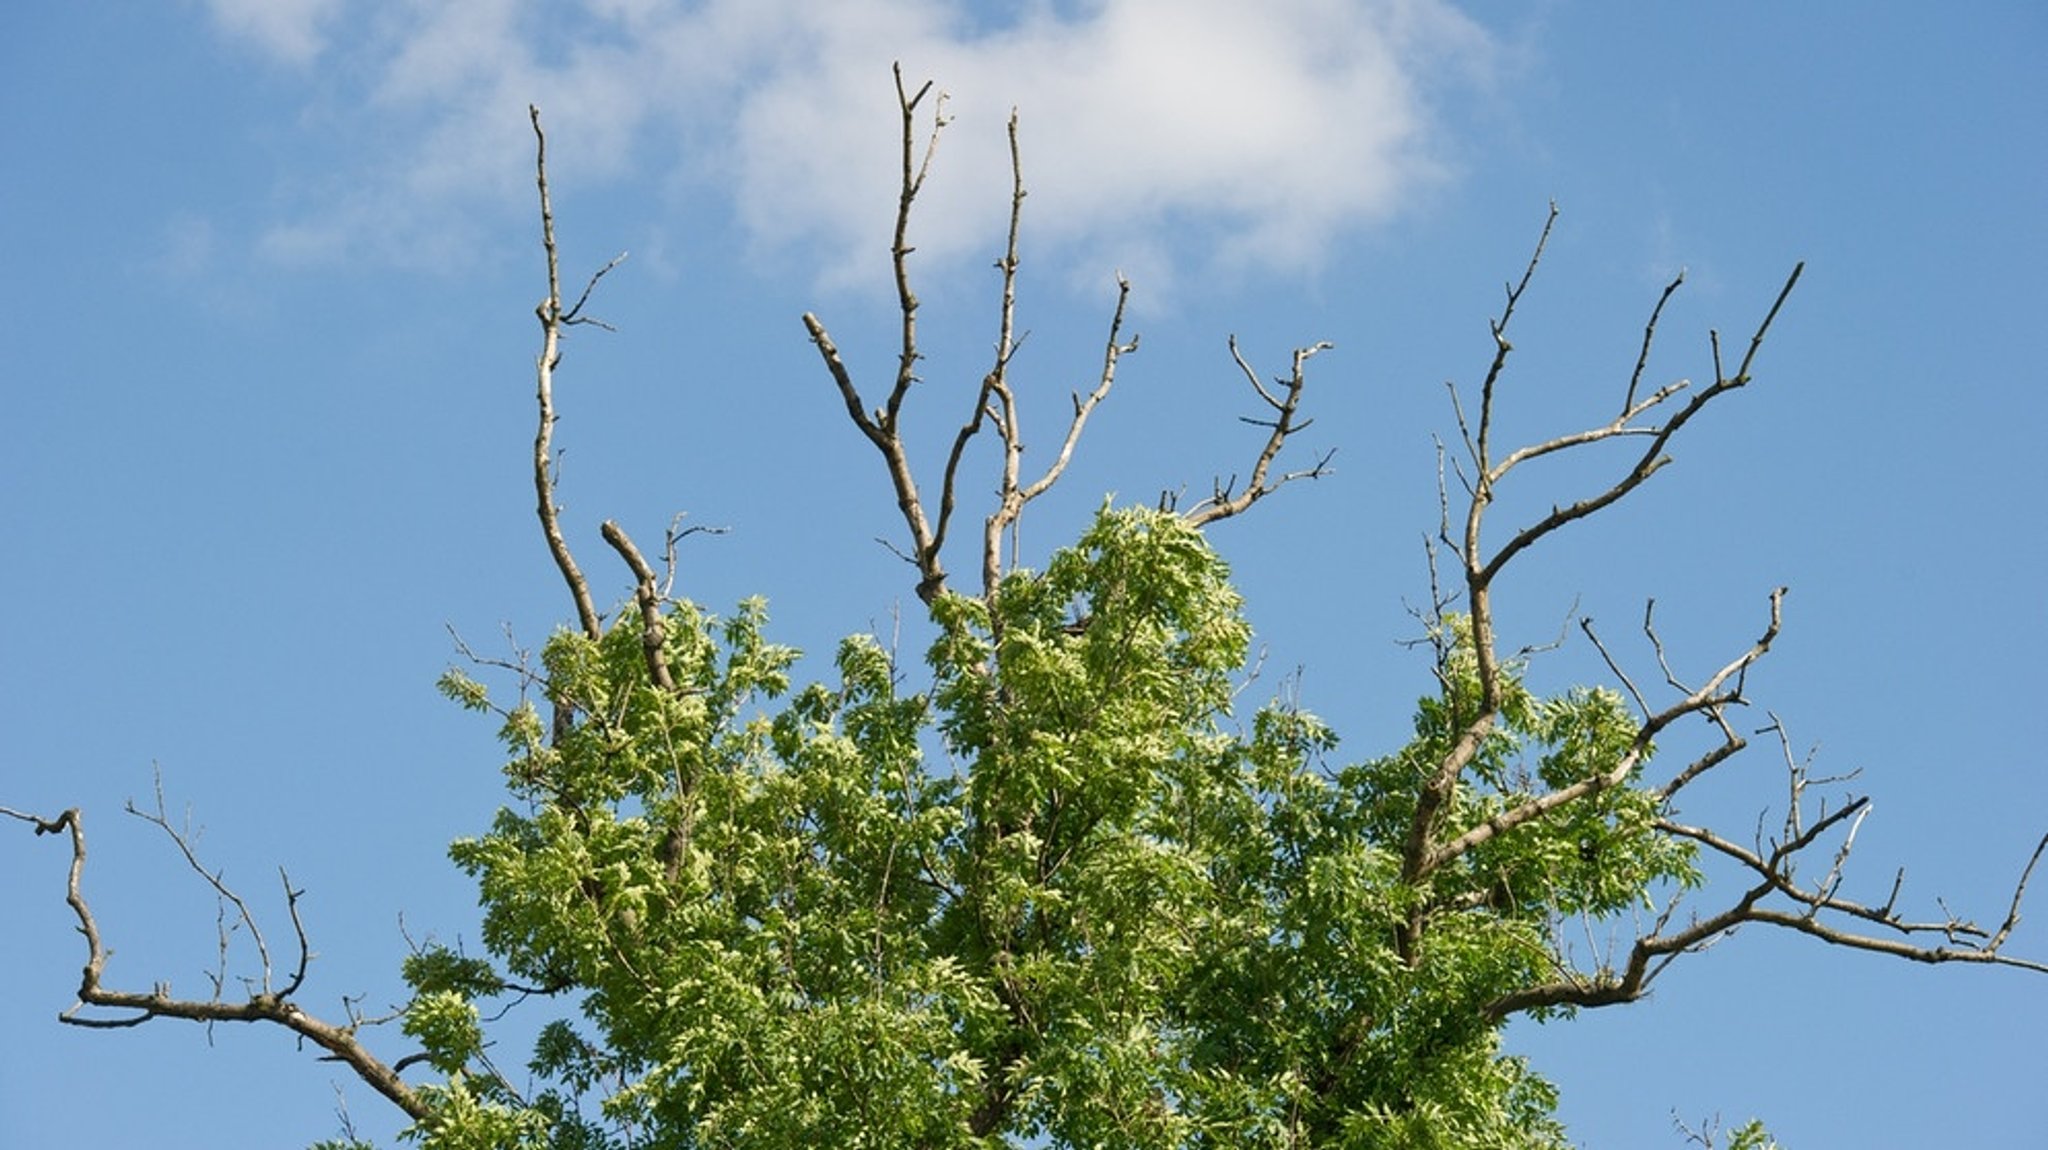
183	841
924	553
1223	503
1635	693
882	427
1816	909
1436	789
137	1007
1501	346
552	321
1773	871
675	534
2019	892
899	248
1709	698
1113	349
1482	570
1649	463
1756	341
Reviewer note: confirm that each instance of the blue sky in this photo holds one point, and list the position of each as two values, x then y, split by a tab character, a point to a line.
272	268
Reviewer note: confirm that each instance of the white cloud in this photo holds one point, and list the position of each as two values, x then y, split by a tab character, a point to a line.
289	30
1267	130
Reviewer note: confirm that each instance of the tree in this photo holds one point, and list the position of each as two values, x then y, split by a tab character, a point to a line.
1067	888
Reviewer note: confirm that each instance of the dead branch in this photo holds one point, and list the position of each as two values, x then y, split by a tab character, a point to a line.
1652	459
1635	378
1426	845
1482	569
1777	898
1224	501
1709	698
882	427
266	1005
1012	495
675	534
996	396
995	402
1417	847
1501	347
554	321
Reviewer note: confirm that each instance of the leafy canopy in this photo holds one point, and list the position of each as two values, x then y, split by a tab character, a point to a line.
1066	894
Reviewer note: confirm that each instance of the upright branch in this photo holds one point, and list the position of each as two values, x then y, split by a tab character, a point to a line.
262	1005
996	403
1001	401
995	400
555	320
882	426
1501	347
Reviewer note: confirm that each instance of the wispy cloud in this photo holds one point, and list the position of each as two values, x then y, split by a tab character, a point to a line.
291	31
1266	129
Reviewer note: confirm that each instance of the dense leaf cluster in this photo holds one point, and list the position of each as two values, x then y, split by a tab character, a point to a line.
1066	894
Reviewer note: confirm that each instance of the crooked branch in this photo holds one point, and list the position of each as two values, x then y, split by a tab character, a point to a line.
264	1006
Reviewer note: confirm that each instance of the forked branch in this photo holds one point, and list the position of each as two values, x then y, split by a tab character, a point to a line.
265	1005
1776	895
1647	464
995	402
1225	500
1721	690
882	426
999	401
1775	898
1482	567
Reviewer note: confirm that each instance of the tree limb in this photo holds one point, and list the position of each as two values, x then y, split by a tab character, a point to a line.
882	427
554	320
648	596
263	1006
1223	503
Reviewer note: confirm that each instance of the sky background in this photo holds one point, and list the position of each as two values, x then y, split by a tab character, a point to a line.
271	267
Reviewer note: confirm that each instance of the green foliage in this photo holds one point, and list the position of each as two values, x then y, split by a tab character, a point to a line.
1067	894
1751	1135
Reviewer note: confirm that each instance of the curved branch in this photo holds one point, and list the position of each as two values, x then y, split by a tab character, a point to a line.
1816	910
1649	463
267	1006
